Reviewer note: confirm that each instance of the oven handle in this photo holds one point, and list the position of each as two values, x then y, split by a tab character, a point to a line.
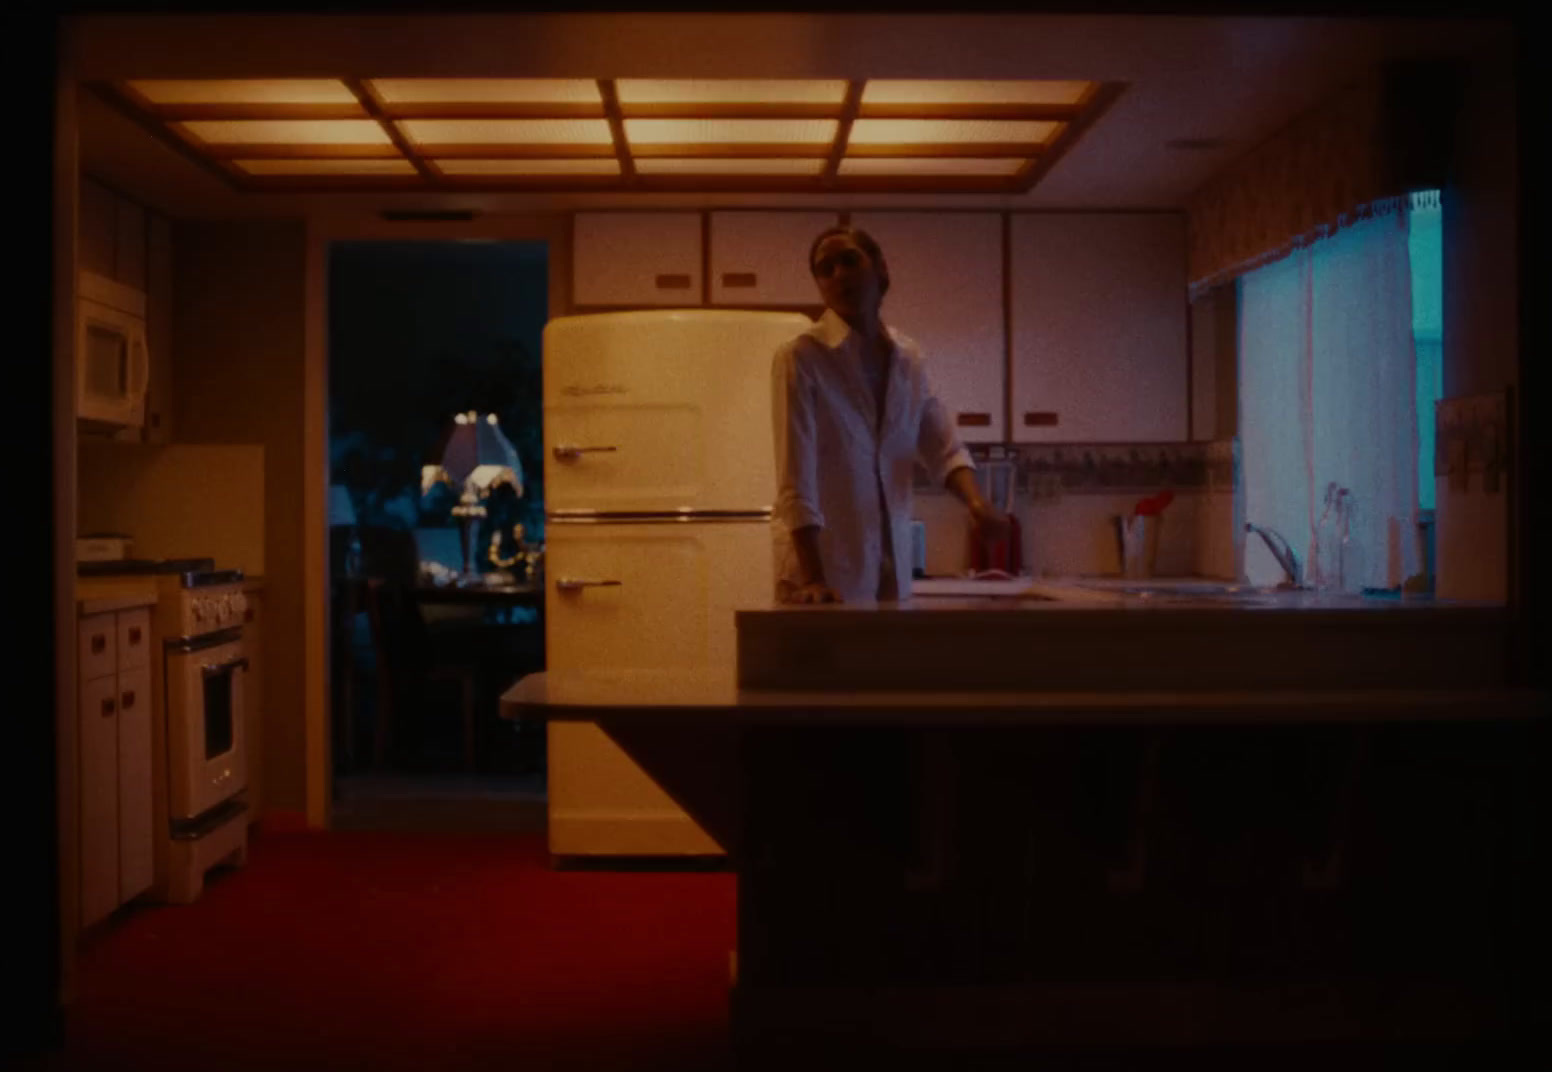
216	670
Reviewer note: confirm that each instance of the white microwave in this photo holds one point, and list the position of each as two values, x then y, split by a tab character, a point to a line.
112	362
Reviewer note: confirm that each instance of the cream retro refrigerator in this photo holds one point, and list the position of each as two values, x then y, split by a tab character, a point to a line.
659	478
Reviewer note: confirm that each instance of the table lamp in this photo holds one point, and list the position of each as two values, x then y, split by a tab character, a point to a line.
478	459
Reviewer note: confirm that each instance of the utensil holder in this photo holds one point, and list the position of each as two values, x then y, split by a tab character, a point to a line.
1137	544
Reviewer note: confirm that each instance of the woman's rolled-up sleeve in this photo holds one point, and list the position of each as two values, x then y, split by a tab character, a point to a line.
937	444
792	404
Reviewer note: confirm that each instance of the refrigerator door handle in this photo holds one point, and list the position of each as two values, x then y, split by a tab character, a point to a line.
576	584
565	452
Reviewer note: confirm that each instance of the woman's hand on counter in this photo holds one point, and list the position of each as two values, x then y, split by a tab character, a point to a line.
814	592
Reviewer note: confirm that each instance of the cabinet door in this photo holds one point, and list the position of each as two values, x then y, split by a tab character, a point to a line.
97	655
1099	327
99	228
253	699
636	258
761	258
99	733
133	629
945	292
134	782
130	249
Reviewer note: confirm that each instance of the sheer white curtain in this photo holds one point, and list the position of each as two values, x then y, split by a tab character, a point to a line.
1327	393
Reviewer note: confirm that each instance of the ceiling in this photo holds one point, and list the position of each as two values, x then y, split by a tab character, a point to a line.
627	134
1195	92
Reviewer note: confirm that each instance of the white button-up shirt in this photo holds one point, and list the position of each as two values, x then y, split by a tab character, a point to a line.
833	458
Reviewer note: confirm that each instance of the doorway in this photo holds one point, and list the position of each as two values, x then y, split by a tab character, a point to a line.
431	619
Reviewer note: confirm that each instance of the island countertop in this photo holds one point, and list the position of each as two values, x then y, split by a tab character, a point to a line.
713	698
1076	636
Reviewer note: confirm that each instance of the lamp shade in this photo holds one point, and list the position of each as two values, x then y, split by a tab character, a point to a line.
477	445
341	510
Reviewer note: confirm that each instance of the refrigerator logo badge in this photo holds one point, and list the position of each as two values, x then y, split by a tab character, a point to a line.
575	391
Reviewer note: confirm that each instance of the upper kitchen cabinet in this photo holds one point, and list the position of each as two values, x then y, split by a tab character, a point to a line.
945	292
761	258
113	235
159	403
1098	316
636	259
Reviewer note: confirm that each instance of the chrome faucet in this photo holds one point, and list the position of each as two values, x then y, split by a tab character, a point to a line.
1280	551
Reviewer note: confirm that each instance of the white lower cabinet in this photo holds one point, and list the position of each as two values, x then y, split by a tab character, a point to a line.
115	712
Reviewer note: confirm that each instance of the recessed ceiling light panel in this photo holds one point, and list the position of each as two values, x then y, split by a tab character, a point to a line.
729	91
678	165
383	166
931	165
486	90
244	91
431	132
730	131
602	165
286	131
930	91
951	131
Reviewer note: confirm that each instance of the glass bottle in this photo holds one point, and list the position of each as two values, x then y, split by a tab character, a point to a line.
1324	553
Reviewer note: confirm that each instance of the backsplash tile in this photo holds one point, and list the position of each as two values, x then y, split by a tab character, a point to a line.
1048	469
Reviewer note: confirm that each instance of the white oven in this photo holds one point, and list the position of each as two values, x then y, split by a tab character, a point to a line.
206	744
112	362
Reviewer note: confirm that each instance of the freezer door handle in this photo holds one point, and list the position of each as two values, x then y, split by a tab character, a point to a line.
565	452
576	584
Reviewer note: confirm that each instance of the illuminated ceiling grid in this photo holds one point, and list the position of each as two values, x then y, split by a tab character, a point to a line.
626	134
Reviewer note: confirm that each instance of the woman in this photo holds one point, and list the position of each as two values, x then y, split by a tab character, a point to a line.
853	414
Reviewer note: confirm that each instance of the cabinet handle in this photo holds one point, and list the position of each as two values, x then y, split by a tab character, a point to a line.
128	699
575	584
738	279
1039	419
973	420
673	281
107	707
99	644
134	635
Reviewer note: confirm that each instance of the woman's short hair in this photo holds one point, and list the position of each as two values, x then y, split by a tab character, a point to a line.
869	246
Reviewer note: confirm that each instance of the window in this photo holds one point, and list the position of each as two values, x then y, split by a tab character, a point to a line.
1425	246
1339	368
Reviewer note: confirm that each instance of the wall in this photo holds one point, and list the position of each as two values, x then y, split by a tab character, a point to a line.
177	501
1481	325
238	371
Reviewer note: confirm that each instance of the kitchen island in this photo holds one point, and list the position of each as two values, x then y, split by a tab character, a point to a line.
992	857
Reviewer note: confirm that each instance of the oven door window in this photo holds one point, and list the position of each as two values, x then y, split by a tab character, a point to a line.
219	709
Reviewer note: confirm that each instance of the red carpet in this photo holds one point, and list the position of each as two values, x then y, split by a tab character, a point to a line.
424	951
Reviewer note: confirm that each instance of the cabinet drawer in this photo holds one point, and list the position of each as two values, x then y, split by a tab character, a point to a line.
134	638
98	646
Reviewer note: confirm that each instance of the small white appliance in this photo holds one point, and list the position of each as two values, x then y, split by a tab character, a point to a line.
112	360
659	480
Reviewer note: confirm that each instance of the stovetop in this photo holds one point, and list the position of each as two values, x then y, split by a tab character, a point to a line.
190	572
